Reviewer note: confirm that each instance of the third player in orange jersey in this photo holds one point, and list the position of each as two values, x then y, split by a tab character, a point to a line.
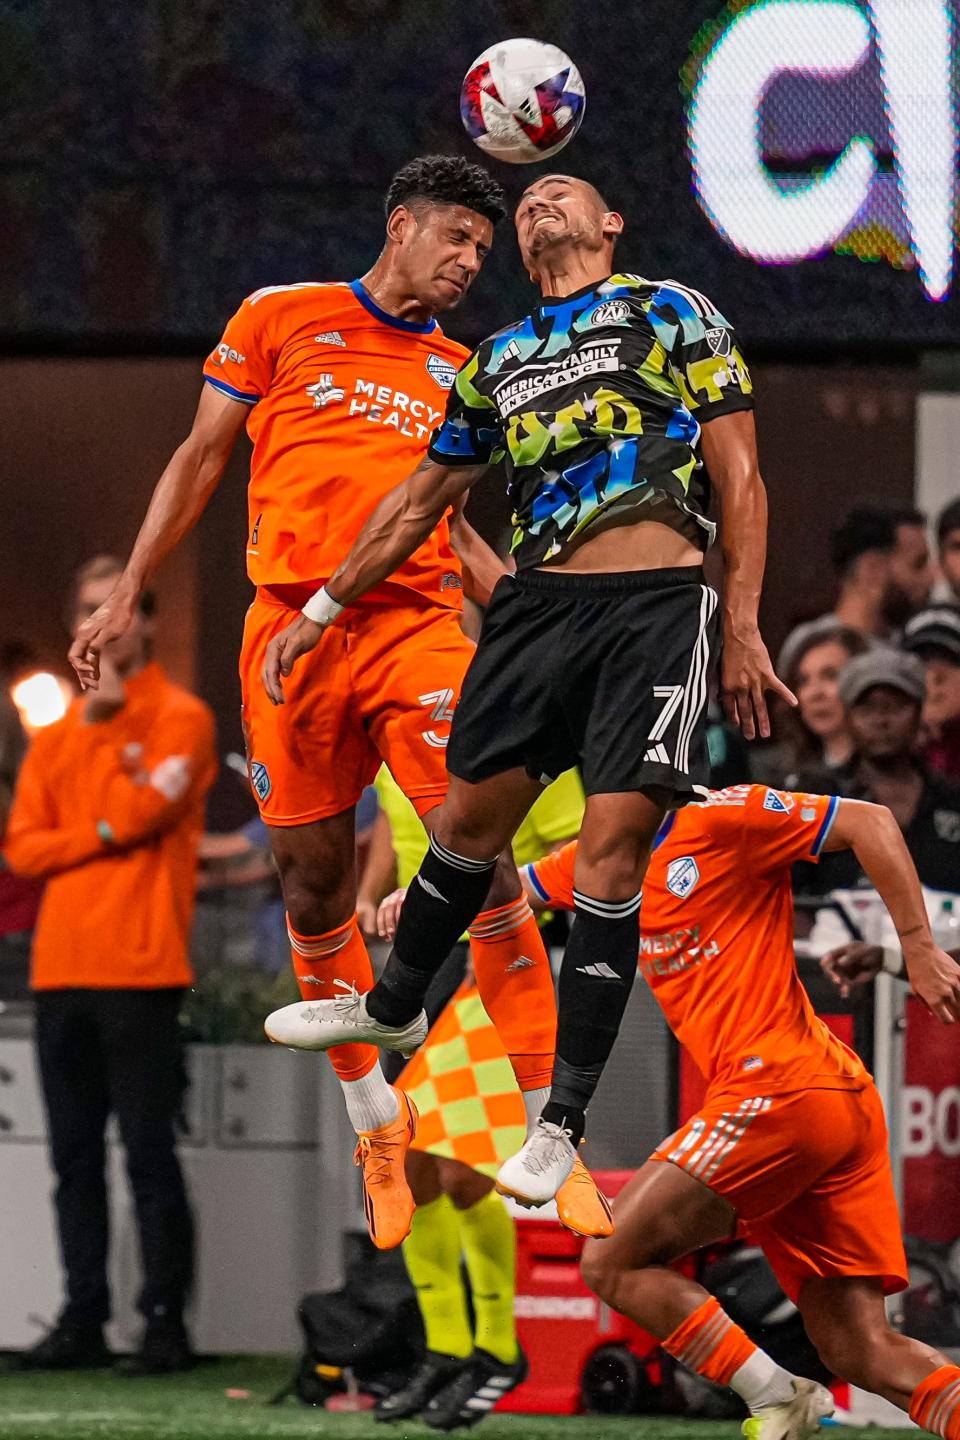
340	386
790	1145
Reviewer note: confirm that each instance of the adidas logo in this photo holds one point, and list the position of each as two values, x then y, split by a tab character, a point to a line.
309	980
432	890
601	970
331	337
522	962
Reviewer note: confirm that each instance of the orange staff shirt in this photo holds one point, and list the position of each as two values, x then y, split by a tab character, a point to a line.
343	399
716	943
110	815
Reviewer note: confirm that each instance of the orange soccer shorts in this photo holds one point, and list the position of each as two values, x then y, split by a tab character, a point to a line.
808	1174
380	686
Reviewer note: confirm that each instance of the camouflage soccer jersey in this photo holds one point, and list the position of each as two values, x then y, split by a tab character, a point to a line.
596	401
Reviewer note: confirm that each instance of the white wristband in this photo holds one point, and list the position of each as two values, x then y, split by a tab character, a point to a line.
892	961
322	609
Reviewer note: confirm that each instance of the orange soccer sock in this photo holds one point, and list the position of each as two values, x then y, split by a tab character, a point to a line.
320	960
710	1343
516	987
935	1404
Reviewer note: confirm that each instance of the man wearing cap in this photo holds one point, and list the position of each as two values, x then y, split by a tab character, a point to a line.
934	637
884	692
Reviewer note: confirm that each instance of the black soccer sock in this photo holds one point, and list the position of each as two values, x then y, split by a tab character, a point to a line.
446	894
596	978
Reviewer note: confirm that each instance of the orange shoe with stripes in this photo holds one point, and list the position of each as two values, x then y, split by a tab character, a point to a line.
581	1207
380	1154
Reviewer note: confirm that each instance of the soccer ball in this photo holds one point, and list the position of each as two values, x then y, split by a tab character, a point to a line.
522	101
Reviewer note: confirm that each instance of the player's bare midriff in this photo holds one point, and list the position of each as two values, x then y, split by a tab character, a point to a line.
630	545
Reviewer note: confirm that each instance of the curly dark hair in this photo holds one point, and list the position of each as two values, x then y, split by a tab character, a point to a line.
447	180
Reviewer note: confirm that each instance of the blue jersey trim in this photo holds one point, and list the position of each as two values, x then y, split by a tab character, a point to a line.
664	830
531	875
229	390
826	826
369	304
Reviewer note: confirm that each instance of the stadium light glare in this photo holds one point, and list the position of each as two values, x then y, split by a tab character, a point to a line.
41	699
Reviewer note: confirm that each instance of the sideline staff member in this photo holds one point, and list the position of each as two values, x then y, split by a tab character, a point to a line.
109	810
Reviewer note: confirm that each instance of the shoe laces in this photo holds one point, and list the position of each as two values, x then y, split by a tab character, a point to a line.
374	1155
348	1004
546	1146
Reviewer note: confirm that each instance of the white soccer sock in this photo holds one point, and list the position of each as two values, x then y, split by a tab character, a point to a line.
371	1102
762	1383
533	1103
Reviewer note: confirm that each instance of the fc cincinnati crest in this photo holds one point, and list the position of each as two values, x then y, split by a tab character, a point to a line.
719	340
611	312
682	876
259	779
442	371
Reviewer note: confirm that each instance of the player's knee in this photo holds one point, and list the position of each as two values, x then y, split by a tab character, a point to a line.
317	902
599	1270
505	885
466	831
466	1190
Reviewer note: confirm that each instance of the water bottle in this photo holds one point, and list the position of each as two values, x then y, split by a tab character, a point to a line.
946	926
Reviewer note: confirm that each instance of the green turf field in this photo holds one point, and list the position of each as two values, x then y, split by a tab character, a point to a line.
101	1406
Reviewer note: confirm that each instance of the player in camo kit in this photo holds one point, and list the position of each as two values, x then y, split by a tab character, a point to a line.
612	403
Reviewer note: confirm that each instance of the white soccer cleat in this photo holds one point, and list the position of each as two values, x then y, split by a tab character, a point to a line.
796	1419
320	1024
534	1175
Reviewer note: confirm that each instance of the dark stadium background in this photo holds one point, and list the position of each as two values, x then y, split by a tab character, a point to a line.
160	161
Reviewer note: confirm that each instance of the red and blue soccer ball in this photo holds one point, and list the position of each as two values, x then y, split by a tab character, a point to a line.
522	101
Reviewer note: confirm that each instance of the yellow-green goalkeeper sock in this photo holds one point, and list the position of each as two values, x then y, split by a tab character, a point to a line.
432	1255
490	1250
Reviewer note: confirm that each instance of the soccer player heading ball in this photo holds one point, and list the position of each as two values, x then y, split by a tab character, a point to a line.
340	386
612	403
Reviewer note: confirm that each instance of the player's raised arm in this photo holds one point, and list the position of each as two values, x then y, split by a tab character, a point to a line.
729	449
874	836
398	526
181	494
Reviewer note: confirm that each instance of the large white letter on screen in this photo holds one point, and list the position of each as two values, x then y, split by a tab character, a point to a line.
913	38
828	37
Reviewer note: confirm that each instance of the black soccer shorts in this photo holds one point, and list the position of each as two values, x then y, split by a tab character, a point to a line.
606	672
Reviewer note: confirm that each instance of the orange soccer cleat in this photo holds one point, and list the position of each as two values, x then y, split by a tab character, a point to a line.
581	1207
380	1154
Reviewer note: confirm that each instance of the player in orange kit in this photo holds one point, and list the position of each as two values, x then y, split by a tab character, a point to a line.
790	1145
340	386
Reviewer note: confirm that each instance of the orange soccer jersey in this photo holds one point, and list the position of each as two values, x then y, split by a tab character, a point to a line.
791	1132
343	398
717	940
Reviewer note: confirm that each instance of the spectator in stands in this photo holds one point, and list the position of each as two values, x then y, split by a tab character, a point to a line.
816	735
934	636
108	809
883	691
948	544
882	562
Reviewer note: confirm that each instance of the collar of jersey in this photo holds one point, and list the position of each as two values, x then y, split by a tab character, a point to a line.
664	830
553	302
370	304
